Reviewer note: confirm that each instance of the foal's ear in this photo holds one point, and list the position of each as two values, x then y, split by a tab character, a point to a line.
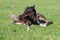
33	6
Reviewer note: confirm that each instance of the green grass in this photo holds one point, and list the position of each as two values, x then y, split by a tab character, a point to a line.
49	8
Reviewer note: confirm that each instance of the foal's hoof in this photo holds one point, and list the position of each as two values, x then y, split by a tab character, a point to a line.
28	29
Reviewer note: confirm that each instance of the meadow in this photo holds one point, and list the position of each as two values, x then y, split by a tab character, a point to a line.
49	8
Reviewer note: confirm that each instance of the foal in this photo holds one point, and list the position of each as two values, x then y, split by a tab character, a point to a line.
30	17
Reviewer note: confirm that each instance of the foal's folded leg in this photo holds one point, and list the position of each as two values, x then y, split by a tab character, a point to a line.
17	22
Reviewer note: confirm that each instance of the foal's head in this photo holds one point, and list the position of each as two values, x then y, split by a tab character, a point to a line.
31	12
30	9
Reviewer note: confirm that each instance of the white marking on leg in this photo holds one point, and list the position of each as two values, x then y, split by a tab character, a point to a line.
43	25
28	28
18	23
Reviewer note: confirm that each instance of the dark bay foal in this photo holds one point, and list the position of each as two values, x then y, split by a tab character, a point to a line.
30	17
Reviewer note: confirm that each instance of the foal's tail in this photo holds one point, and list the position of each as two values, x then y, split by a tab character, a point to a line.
50	22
